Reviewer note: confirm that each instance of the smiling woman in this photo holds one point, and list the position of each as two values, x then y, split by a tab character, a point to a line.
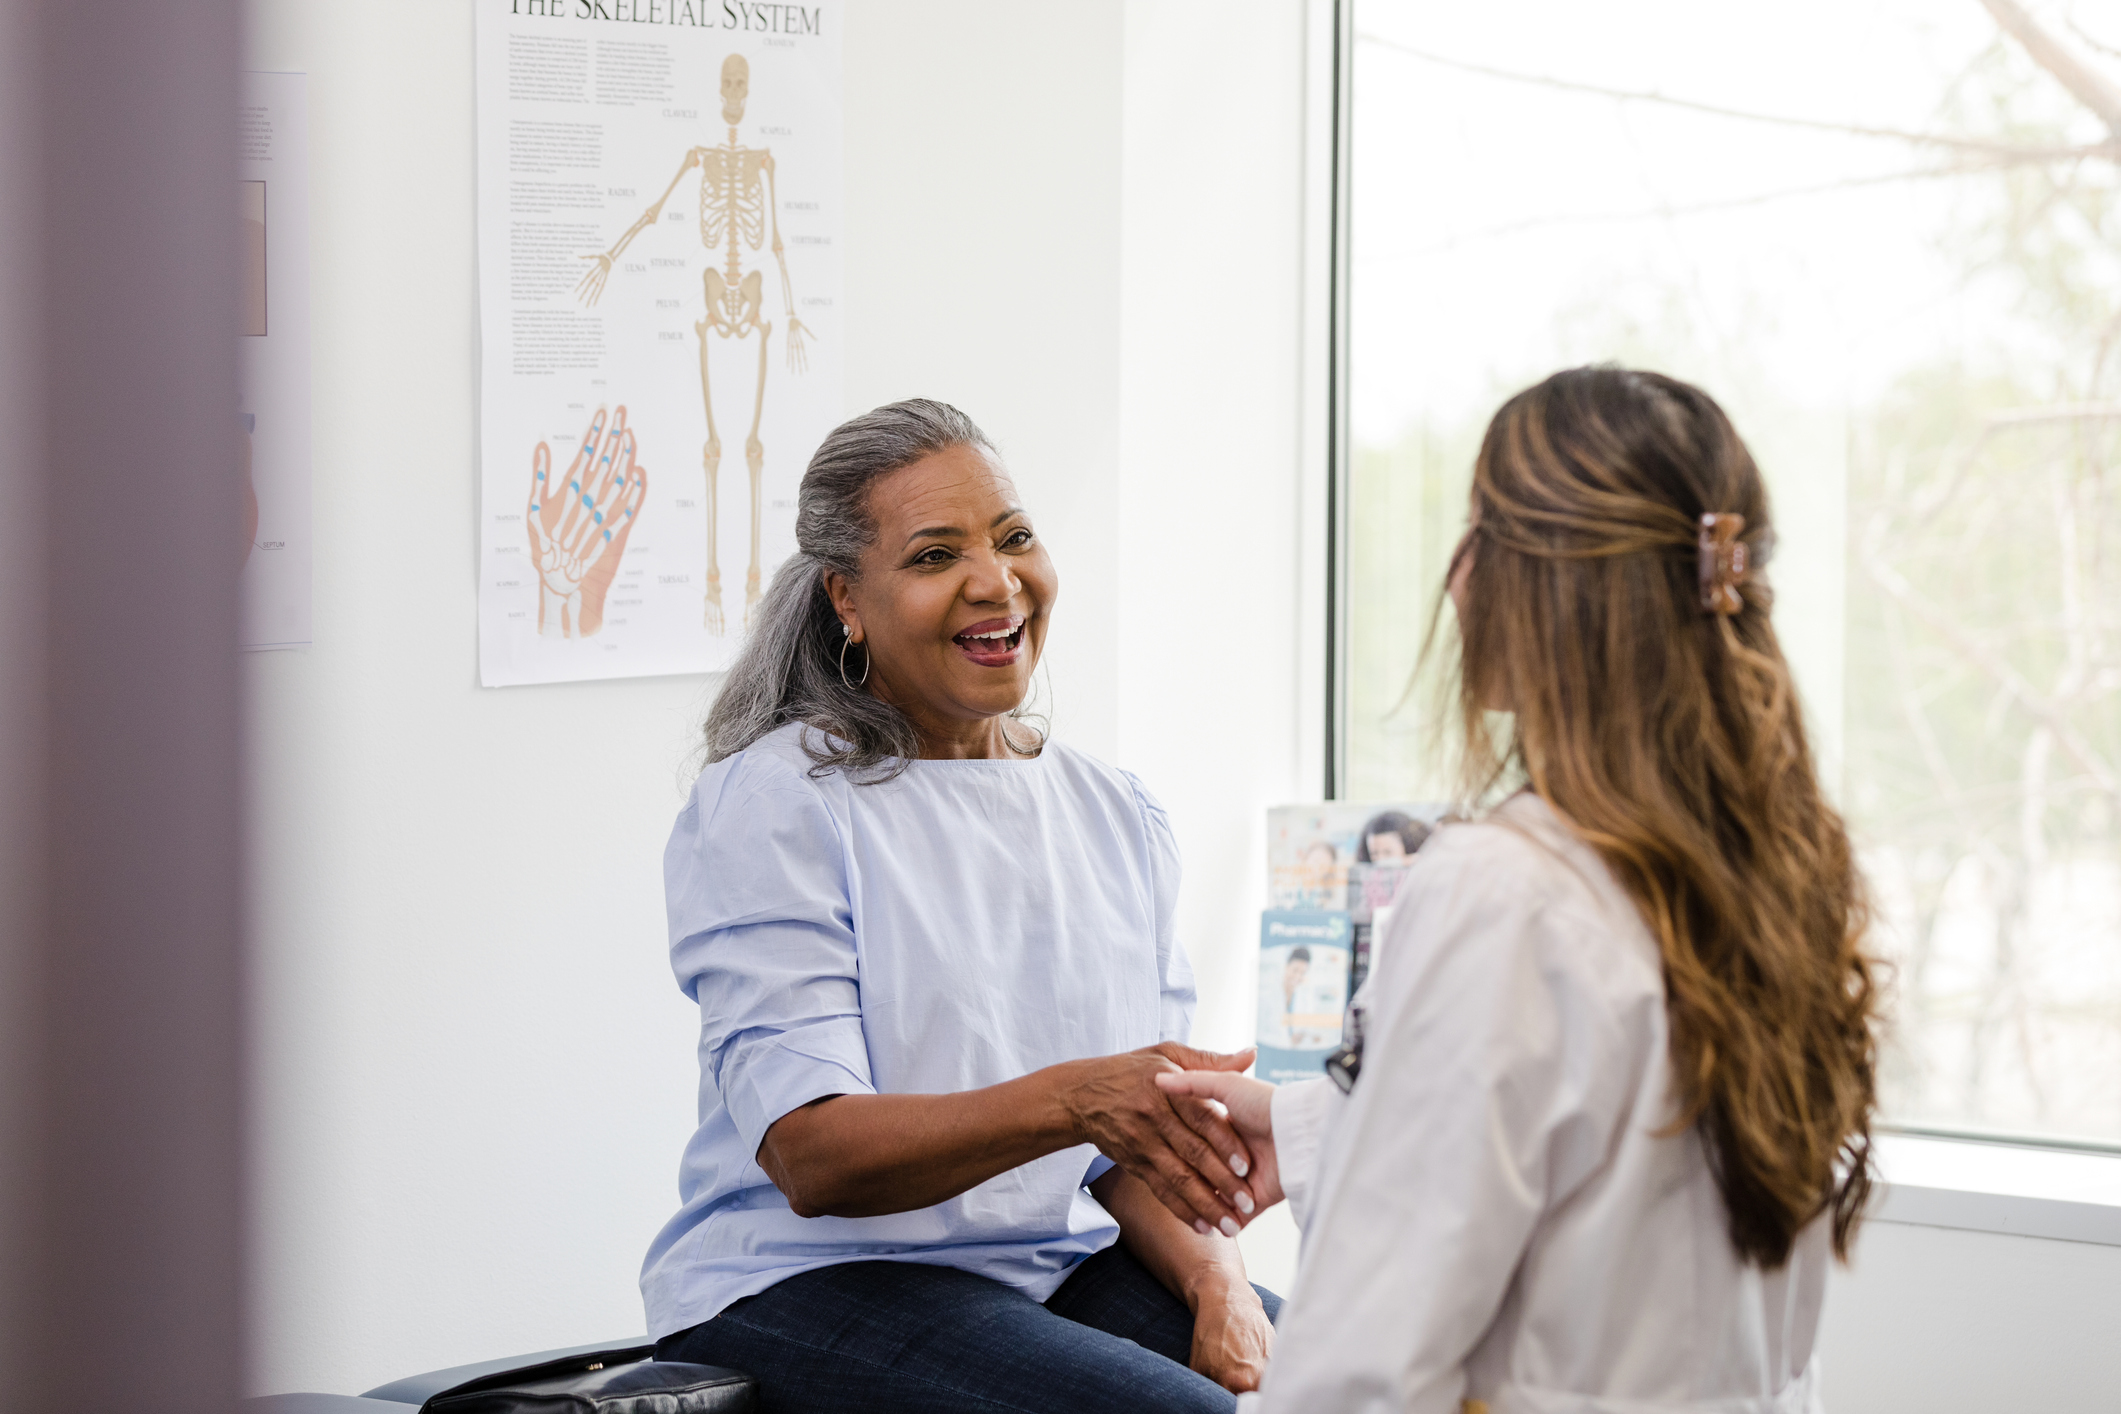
937	975
910	619
953	619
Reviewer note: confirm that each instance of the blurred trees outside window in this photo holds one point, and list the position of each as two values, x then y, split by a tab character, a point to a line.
1886	235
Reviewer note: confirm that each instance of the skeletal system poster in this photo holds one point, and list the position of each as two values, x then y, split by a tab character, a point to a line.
659	306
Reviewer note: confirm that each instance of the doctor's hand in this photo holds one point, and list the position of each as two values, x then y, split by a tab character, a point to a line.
1185	1152
1246	1105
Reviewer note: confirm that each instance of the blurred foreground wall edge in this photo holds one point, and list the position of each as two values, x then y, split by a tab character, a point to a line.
120	832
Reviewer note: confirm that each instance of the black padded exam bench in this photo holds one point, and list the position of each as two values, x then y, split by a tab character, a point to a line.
325	1404
405	1396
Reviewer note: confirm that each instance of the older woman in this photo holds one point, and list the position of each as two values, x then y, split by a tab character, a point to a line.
936	971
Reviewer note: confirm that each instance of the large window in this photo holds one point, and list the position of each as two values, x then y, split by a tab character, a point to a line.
1886	235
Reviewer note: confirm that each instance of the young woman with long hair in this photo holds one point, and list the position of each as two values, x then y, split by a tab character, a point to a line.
1610	1107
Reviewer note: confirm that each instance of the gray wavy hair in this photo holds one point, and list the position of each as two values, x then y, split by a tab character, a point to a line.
789	667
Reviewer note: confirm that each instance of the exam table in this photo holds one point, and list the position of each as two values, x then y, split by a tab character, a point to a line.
406	1395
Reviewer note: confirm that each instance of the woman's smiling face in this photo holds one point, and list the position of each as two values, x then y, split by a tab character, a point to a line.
954	595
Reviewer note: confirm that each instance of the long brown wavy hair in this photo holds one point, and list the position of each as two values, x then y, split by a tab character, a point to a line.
1671	740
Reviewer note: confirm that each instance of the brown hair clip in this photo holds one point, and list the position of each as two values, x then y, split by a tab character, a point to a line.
1723	562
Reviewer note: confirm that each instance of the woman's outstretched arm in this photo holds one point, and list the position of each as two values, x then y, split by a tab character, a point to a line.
1231	1334
857	1156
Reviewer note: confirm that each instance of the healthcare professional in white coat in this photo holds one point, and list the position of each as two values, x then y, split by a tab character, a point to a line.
1609	1115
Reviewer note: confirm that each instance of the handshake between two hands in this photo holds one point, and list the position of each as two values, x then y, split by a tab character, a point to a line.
1188	1125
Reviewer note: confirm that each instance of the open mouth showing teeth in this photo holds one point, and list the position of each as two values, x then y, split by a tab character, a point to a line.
1006	639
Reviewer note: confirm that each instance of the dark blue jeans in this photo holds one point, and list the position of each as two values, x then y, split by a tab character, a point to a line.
902	1338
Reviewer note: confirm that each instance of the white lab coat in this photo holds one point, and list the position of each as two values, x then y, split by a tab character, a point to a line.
1494	1213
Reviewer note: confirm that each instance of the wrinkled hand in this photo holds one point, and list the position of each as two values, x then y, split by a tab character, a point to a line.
1241	1104
1181	1148
1232	1338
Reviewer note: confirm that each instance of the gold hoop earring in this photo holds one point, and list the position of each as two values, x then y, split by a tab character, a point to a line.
846	640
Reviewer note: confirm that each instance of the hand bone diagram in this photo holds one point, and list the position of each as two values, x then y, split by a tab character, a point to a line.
579	523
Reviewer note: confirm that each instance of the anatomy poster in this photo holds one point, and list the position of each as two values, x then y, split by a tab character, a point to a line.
272	200
659	306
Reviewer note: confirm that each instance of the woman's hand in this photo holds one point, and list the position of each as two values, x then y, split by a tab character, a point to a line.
1231	1336
1231	1333
1182	1149
1243	1104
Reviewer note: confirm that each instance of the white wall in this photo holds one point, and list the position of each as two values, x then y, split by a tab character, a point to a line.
1210	522
1929	1320
474	1073
1213	526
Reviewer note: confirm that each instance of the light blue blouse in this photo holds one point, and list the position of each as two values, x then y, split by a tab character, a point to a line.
961	925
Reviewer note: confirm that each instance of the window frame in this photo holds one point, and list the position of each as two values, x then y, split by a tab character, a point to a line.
1339	75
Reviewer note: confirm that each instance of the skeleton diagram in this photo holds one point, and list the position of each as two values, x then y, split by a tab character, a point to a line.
738	211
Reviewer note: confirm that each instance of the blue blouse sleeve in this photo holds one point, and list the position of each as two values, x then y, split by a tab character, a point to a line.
1174	974
1173	971
762	937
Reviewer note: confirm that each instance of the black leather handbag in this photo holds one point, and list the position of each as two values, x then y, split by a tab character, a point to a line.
603	1382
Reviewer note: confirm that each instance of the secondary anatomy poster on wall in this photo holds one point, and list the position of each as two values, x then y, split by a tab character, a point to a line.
272	199
659	312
